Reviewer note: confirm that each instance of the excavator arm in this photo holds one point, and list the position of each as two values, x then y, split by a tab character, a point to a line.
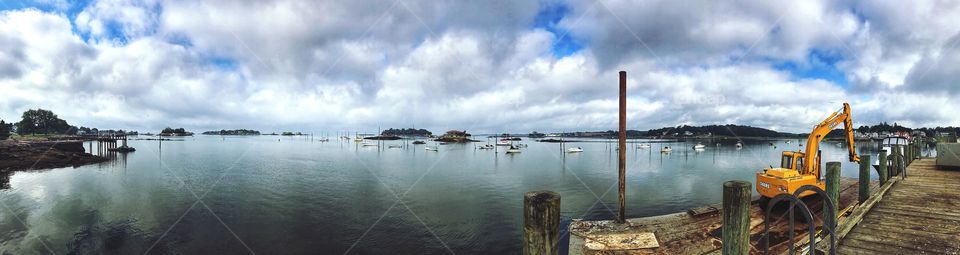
810	163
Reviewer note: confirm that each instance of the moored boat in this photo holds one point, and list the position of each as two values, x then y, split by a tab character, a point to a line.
575	150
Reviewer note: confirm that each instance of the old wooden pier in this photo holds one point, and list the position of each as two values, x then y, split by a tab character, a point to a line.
919	214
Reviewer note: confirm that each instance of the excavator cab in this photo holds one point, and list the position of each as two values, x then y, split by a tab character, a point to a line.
789	176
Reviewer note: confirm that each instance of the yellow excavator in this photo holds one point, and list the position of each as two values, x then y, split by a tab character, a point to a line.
803	168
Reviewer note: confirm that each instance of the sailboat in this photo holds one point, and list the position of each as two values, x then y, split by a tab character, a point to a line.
699	147
513	149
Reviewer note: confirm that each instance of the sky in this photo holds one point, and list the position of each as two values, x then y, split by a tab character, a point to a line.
483	66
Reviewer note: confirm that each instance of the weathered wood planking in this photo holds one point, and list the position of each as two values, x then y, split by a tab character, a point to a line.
919	215
697	233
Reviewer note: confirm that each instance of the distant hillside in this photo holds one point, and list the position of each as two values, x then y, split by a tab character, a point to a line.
233	132
728	130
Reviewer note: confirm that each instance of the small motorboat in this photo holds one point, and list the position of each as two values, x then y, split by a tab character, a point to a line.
513	149
575	150
699	147
431	148
666	149
503	142
394	146
419	142
643	146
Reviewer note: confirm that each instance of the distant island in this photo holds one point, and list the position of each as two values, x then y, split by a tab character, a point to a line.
456	136
233	132
175	132
406	132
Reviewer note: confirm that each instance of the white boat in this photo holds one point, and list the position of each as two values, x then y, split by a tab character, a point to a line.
513	149
430	148
887	146
366	144
699	147
666	149
394	146
503	143
575	150
358	139
643	146
739	145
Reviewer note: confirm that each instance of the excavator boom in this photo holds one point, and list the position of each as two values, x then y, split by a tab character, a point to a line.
811	166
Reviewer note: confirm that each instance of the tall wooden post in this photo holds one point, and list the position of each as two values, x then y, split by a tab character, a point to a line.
736	217
897	161
883	166
541	222
833	189
622	154
908	152
864	178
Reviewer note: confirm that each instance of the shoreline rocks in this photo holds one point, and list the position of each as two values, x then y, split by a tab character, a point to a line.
36	155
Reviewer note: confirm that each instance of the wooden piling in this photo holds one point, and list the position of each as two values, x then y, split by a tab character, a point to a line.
736	217
883	167
864	178
621	154
908	153
897	160
833	189
541	222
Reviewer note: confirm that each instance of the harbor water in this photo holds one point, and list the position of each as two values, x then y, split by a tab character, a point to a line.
295	195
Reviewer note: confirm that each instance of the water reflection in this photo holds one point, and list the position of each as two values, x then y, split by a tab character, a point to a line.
295	195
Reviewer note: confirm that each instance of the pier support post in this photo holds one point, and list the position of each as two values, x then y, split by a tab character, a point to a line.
864	178
622	153
541	222
833	189
736	217
897	160
883	166
908	152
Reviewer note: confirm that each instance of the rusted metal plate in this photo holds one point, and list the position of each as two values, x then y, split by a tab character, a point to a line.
622	241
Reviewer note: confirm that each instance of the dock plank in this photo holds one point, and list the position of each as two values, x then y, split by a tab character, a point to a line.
918	215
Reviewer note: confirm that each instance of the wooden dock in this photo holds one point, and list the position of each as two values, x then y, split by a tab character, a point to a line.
918	215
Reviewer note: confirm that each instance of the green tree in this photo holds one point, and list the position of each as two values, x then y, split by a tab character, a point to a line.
42	121
4	130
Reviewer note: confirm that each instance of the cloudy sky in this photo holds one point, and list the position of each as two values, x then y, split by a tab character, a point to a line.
485	66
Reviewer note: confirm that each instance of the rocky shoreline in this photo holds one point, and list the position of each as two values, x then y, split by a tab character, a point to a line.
34	155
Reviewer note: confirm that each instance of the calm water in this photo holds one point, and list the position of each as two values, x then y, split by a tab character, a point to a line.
294	196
